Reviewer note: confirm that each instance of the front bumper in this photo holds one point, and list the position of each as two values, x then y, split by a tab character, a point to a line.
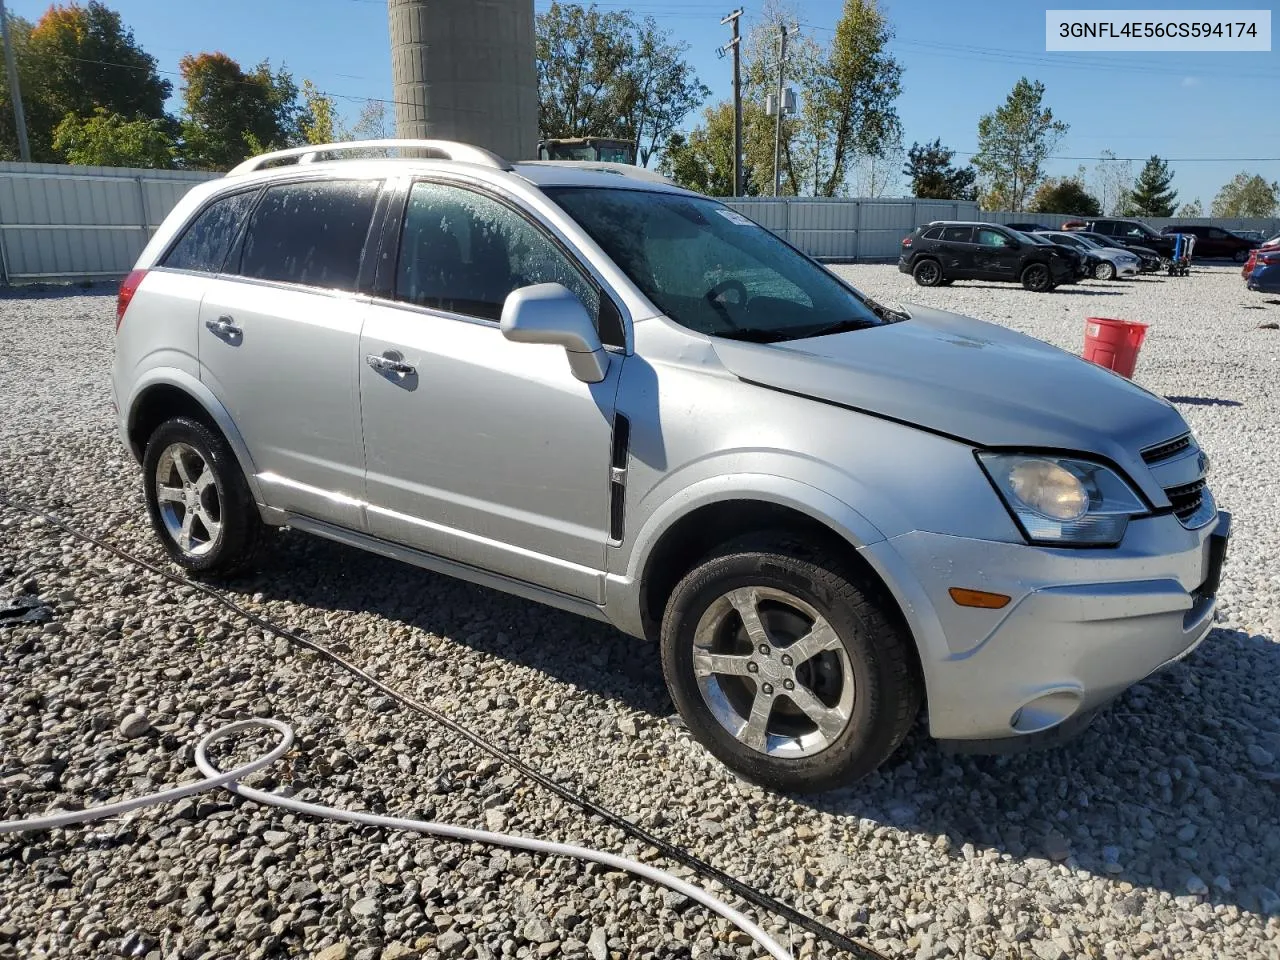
1082	625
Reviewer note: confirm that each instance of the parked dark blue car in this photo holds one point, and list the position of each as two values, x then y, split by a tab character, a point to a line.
1265	276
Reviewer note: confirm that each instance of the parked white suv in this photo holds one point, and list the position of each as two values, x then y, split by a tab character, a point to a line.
586	386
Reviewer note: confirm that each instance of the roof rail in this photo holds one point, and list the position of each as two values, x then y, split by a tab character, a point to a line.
604	166
435	150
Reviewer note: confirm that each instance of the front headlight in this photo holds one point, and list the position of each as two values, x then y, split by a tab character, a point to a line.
1062	500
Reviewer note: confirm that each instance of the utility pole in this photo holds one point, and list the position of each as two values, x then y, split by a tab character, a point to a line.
735	43
777	128
19	118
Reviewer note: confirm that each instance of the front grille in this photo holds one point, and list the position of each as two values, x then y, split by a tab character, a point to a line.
1192	503
1170	448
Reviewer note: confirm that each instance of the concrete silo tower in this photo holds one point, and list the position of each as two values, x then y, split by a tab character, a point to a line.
464	70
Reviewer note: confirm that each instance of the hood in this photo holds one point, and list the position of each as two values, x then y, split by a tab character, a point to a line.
972	380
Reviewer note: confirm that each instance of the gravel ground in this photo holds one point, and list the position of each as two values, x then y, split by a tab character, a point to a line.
1156	834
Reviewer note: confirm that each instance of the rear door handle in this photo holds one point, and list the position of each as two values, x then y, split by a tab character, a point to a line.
390	364
224	327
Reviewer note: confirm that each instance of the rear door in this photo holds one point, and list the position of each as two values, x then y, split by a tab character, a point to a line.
279	339
955	251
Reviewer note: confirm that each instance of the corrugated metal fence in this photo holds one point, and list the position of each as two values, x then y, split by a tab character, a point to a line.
83	223
837	228
1269	226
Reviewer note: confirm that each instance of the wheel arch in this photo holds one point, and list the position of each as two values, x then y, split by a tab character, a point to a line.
717	510
167	393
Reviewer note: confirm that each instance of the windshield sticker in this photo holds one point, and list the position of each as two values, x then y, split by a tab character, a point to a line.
733	216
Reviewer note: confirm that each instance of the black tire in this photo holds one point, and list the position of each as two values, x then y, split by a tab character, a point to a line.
1037	278
240	530
878	655
1240	256
1105	270
927	272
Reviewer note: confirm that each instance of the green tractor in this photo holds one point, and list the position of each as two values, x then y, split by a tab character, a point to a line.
592	149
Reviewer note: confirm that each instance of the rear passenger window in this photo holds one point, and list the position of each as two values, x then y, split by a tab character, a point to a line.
958	234
204	244
310	233
464	252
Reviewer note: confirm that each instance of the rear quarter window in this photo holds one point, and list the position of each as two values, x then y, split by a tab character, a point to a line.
204	244
310	233
933	234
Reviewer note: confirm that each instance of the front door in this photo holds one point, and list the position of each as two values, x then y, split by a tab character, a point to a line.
996	255
479	449
279	337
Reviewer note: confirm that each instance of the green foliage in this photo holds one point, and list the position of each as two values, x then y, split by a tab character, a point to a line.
110	140
1013	143
319	122
1151	195
933	177
73	61
1247	196
229	114
1192	209
611	75
1065	195
703	160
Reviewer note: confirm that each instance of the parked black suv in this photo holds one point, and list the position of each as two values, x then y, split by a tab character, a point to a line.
941	252
1216	242
1126	233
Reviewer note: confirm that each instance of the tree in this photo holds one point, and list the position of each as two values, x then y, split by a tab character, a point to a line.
229	114
853	94
1247	196
88	59
1013	144
702	160
934	178
609	75
1151	195
110	140
75	60
1065	195
371	122
1192	209
1112	181
319	121
847	118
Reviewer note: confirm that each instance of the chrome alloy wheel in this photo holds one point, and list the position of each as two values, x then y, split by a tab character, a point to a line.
773	672
188	498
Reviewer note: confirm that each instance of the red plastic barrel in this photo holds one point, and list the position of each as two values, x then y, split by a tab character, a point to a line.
1113	344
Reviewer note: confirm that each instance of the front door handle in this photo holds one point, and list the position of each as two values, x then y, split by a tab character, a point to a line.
388	363
224	327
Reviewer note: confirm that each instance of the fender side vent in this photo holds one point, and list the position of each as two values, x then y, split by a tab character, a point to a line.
618	477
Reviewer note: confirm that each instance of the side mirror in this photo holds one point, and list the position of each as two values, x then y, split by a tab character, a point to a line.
551	313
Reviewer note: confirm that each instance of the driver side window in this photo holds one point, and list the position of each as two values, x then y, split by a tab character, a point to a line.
463	252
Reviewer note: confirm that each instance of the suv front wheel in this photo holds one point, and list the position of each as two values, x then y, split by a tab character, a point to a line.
786	669
1036	277
200	505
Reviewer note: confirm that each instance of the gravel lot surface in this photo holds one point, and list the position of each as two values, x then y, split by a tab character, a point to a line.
1156	834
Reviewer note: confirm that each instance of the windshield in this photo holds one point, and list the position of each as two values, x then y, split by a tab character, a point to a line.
710	269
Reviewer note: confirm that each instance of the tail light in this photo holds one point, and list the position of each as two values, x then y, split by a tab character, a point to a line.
128	287
906	242
1271	258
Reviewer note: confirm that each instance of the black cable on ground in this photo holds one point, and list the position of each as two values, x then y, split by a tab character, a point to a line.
759	899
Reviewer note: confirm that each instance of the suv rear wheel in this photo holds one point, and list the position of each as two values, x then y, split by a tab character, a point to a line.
928	273
786	669
200	505
1036	278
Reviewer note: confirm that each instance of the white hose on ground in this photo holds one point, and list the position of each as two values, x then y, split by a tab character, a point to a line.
229	779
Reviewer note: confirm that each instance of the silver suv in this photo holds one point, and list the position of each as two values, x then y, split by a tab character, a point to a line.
588	387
